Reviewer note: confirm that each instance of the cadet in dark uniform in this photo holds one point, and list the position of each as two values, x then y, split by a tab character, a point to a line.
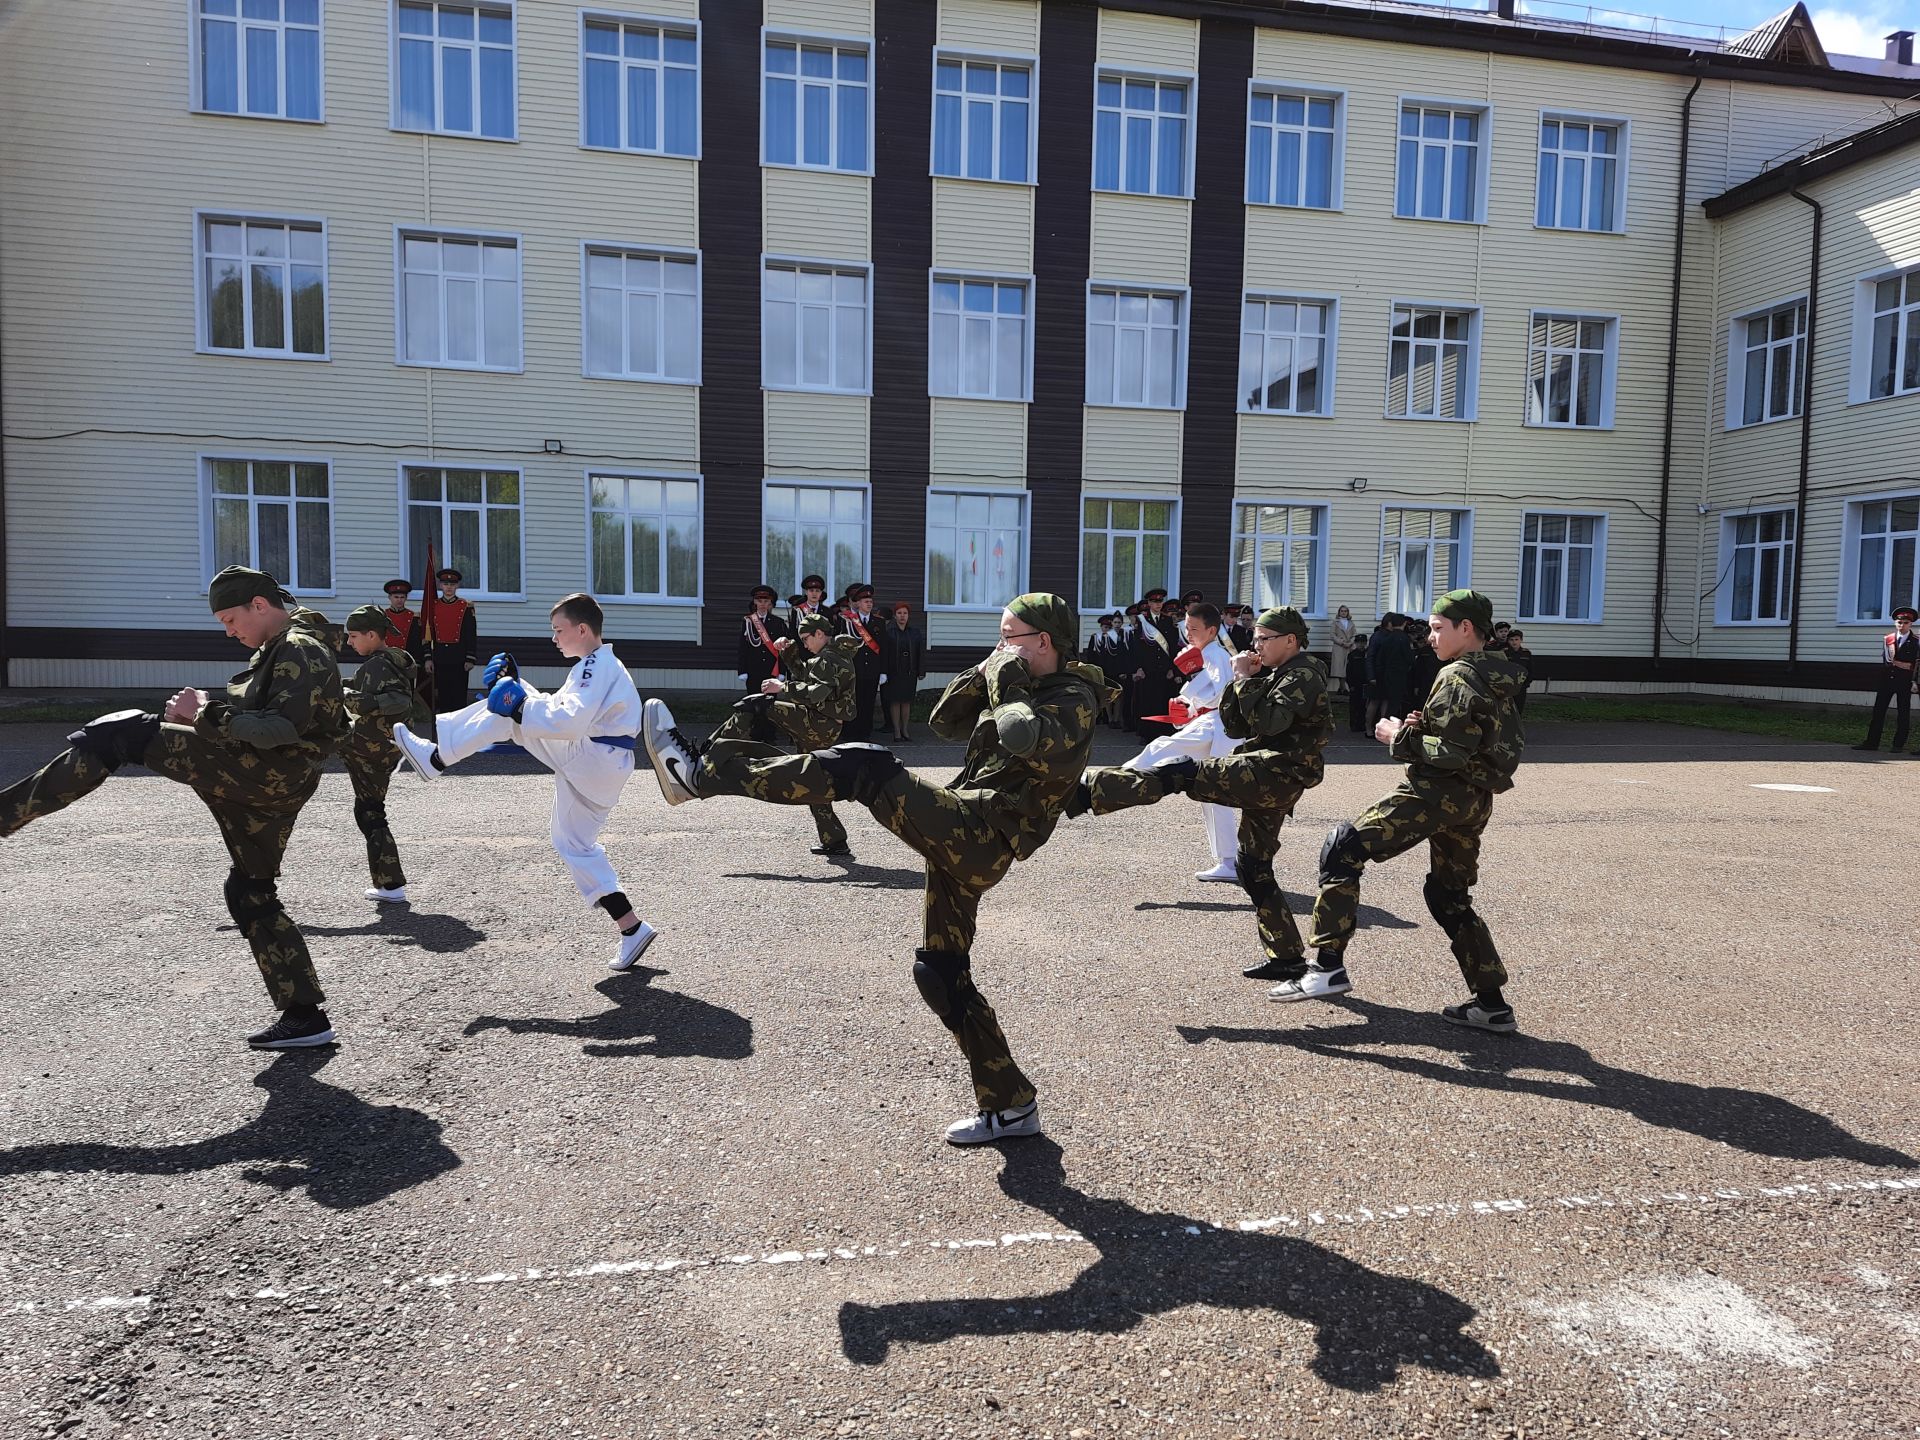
1899	653
1461	751
807	706
253	753
382	693
1028	713
1277	707
869	667
454	646
757	655
399	617
812	600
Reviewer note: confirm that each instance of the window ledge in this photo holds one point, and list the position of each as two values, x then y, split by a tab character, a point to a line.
988	180
1296	209
644	154
455	135
1573	230
1438	220
1532	620
1576	429
642	380
1289	415
1751	624
1121	405
814	169
813	390
520	369
1436	419
982	399
1141	194
677	602
246	115
1759	424
1880	399
222	353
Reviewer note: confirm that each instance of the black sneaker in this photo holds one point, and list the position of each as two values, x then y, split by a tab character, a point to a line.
295	1030
842	850
1476	1016
1276	970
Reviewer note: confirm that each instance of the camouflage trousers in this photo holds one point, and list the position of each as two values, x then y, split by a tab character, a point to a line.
1450	817
254	800
738	730
370	759
1264	795
965	857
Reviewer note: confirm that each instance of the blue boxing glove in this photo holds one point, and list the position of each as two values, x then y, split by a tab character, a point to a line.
508	697
500	665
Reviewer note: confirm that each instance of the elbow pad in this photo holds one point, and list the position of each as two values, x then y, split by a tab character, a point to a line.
1018	727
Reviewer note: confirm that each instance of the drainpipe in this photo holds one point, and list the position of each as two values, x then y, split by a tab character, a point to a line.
1806	430
1673	364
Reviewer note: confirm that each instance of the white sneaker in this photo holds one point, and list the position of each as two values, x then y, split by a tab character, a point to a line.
632	947
416	752
1222	874
395	896
995	1125
676	765
1314	985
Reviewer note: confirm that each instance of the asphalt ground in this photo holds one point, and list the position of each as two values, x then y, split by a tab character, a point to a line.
525	1198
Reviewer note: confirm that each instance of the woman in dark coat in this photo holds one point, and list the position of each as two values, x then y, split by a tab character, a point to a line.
903	651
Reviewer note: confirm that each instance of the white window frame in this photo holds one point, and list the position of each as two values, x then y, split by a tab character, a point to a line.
439	100
202	300
203	465
1012	61
1860	376
1596	600
1609	373
1850	558
631	597
1182	297
1149	497
196	63
649	252
1788	550
470	587
978	277
1026	545
836	584
1464	567
1619	123
1338	95
863	268
401	233
1471	380
1737	349
776	35
1322	546
681	26
1330	345
1186	79
1483	145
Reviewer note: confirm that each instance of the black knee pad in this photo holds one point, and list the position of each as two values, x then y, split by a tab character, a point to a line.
117	739
1341	858
1451	905
859	769
250	901
370	814
937	975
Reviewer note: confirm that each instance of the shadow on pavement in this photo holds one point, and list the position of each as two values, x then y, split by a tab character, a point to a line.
346	1152
1367	1325
860	877
1372	917
643	1021
1749	1120
403	925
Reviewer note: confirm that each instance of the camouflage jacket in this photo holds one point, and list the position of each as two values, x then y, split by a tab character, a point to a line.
382	692
1468	729
288	699
1027	741
1282	715
819	693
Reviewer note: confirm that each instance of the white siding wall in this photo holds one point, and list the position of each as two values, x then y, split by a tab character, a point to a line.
999	27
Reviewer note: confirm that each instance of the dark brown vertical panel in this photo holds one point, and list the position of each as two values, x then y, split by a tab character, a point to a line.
1216	275
899	435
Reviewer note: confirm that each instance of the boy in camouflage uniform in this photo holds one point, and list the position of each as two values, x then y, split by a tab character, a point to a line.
807	705
1276	706
382	694
1461	750
253	753
1028	712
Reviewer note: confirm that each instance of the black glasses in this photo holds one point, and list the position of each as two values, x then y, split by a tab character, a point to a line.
1020	634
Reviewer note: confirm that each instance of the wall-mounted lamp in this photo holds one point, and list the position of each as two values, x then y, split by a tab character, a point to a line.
553	447
1357	484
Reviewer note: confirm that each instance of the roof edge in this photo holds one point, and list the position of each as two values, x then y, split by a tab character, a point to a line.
1855	149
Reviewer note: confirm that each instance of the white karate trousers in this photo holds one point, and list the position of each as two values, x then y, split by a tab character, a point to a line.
1204	738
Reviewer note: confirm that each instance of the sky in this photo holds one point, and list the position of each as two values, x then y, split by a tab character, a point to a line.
1856	30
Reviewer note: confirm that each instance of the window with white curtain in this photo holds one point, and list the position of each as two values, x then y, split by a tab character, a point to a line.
1423	554
472	518
271	515
1432	363
643	315
976	547
1279	556
982	119
453	69
1893	362
639	87
1293	149
1136	348
1882	563
460	301
1582	177
1140	135
1126	549
263	286
1756	568
1562	566
645	536
1286	356
813	530
1768	365
1570	371
814	328
977	338
259	57
1442	162
816	105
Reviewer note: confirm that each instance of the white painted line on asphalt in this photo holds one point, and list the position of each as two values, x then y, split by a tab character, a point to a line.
1801	789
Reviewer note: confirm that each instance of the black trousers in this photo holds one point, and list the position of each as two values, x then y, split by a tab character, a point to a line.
1896	686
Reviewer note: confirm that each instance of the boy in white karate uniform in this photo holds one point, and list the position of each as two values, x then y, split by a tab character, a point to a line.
1203	737
583	732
